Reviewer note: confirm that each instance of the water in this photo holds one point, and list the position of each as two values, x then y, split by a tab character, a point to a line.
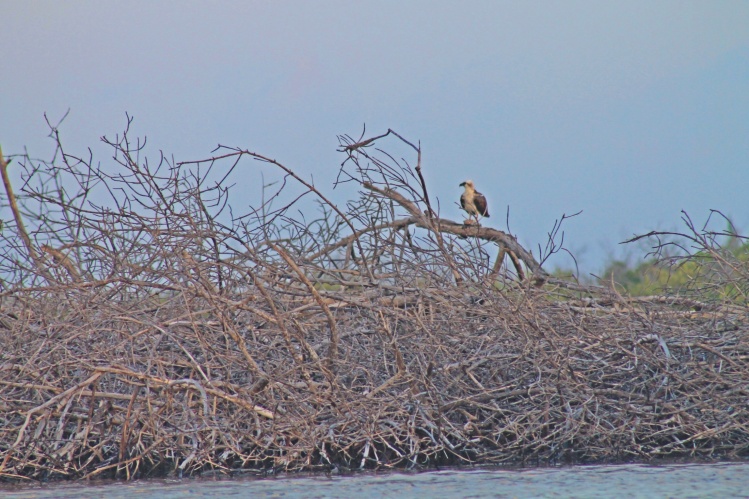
620	481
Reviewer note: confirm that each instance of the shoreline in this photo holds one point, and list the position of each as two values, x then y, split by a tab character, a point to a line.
161	483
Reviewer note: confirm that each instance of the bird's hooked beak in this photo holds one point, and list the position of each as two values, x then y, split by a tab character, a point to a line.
462	184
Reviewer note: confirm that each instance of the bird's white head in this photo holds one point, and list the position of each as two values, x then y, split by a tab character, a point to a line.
468	184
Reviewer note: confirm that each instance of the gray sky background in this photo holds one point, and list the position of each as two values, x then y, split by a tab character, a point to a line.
630	111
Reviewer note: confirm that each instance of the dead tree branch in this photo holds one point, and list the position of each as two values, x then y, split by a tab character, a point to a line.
180	331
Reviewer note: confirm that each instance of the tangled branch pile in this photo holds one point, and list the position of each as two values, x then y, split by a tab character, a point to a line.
158	331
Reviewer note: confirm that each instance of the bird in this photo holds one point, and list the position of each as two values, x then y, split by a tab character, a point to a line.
473	202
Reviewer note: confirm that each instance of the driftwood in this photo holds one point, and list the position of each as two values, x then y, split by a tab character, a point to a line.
157	332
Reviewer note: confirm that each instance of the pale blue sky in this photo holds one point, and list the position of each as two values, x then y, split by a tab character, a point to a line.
630	111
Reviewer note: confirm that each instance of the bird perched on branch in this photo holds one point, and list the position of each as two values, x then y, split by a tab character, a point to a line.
473	202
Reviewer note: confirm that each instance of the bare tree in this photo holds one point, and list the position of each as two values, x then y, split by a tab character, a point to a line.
149	327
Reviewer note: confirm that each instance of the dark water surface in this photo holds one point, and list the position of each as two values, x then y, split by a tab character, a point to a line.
672	480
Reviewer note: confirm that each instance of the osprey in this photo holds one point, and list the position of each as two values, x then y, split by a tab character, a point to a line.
472	201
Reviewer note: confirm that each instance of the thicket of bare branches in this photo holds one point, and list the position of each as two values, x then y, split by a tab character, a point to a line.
713	264
147	327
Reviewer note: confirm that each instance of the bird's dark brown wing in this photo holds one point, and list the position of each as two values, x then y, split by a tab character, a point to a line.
463	201
480	201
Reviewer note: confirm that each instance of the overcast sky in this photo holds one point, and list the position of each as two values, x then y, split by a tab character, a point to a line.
629	111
